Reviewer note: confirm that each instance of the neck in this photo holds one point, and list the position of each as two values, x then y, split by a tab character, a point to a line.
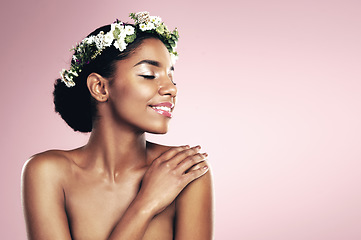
113	150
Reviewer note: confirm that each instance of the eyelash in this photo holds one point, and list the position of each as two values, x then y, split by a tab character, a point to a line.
148	76
152	77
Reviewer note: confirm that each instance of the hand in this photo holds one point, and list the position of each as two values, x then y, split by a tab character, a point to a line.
169	174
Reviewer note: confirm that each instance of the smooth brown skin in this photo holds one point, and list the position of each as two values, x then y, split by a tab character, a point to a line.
118	186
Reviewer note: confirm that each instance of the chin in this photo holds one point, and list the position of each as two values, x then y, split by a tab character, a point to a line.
161	129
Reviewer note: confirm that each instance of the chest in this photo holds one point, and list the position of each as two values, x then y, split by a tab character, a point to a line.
94	207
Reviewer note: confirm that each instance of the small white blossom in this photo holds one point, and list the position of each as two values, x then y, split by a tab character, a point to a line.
74	73
116	37
156	20
142	17
70	83
89	40
150	26
120	44
108	39
99	40
129	30
143	27
65	78
62	73
116	25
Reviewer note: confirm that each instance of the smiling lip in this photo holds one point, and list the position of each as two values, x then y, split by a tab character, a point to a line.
164	108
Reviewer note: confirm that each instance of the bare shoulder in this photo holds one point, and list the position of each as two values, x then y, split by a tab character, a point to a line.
198	186
43	196
195	208
52	164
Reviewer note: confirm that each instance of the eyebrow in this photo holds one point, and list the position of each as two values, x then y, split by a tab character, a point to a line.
151	62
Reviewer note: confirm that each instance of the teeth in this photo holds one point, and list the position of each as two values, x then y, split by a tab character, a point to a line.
163	108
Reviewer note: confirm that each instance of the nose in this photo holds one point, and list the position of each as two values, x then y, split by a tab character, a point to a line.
167	87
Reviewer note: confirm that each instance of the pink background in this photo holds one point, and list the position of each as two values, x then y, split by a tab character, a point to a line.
270	89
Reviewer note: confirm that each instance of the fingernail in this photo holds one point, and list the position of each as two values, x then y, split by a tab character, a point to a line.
205	154
199	147
205	167
187	146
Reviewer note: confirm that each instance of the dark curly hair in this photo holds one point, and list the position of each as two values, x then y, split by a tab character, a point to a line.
75	105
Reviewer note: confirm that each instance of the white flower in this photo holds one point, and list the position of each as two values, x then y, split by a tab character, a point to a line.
88	40
142	17
118	27
108	39
99	40
120	44
74	73
116	37
70	84
142	27
65	78
150	26
129	30
62	72
156	20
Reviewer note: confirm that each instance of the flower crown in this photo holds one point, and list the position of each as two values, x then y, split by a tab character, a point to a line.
119	36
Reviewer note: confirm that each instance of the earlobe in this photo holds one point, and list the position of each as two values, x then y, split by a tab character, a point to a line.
98	87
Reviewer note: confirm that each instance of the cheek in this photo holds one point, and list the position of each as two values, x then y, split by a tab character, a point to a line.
140	93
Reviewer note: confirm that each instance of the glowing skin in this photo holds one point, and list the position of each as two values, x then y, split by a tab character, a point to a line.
118	186
143	81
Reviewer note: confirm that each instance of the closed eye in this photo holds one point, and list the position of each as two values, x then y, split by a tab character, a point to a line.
147	76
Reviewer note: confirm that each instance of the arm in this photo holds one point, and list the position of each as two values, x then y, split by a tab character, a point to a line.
43	199
161	184
194	210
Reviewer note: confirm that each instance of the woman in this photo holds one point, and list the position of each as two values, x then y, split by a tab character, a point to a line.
119	186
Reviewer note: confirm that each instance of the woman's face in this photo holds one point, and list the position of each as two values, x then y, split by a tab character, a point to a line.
142	93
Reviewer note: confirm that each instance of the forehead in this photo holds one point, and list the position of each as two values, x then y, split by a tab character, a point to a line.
150	49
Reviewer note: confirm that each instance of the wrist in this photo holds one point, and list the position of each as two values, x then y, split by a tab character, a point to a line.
144	207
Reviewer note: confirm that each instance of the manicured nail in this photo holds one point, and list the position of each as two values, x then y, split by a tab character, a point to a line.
205	167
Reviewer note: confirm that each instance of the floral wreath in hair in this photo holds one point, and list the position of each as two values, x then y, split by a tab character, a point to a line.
119	36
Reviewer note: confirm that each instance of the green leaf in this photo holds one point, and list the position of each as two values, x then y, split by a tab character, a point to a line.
130	38
160	29
116	33
132	16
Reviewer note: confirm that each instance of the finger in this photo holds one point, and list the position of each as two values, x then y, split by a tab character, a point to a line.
191	161
171	153
180	156
196	173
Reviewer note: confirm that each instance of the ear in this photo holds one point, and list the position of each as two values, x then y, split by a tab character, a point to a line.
98	87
